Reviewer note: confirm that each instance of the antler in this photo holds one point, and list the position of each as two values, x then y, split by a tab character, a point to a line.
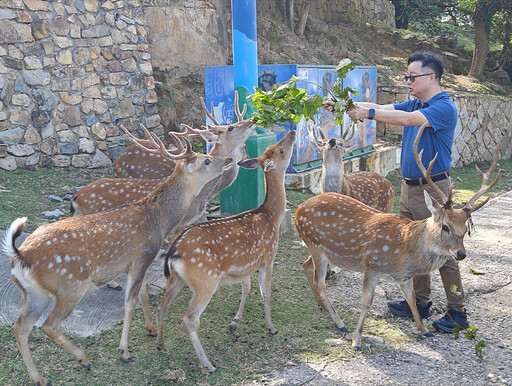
312	133
426	173
208	114
469	207
353	131
239	115
158	147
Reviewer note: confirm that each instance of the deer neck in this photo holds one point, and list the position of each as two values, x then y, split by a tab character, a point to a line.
167	204
420	243
274	204
332	178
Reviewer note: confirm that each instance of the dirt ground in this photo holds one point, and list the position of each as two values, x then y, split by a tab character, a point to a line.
440	360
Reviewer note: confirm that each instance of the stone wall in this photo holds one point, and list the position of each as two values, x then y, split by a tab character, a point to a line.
70	72
482	124
332	11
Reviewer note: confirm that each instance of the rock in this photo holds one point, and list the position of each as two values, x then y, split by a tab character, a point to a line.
100	160
53	197
41	29
8	163
54	214
20	150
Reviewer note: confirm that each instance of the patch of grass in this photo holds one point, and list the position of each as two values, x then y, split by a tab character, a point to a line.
272	35
323	58
25	193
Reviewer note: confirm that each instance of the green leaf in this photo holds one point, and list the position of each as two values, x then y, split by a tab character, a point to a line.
476	272
456	331
470	332
479	349
286	102
454	290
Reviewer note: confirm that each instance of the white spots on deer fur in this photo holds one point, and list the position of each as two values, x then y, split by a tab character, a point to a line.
200	264
50	264
67	259
397	251
58	259
63	271
70	276
385	248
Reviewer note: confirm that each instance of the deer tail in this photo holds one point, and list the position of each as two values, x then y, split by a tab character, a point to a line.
12	233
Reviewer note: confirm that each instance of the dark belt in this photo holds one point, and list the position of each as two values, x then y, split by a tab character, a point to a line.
422	181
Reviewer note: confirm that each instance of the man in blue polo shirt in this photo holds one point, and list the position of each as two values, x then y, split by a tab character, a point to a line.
430	104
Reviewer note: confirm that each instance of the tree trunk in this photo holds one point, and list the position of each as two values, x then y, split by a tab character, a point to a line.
303	17
481	47
289	14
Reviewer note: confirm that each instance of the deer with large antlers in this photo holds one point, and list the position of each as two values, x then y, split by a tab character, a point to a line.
134	163
339	230
65	259
228	250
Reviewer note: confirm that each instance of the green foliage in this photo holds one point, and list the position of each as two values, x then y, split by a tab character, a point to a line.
455	290
476	271
166	96
285	102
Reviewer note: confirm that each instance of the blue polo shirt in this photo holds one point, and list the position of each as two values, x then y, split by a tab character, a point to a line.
442	116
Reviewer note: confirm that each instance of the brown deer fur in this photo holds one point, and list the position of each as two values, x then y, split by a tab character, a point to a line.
228	250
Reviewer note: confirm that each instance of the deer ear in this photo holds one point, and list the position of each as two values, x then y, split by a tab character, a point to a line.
432	204
249	163
269	165
350	149
315	146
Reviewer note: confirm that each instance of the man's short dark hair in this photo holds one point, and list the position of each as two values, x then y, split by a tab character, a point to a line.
429	60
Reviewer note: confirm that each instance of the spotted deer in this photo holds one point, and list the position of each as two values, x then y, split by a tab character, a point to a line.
65	259
228	250
370	188
340	230
134	163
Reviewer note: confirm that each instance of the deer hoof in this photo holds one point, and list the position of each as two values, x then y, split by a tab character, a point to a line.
85	366
343	329
232	327
428	334
159	347
127	360
214	370
271	331
357	348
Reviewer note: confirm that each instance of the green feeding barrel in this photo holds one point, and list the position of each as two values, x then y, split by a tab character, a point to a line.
248	190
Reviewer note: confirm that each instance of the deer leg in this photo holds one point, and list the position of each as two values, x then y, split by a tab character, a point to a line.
410	297
53	327
133	284
309	270
320	263
33	306
191	322
146	310
246	288
369	284
173	288
265	279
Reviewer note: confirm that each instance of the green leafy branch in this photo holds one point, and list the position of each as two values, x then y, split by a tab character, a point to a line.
470	332
285	102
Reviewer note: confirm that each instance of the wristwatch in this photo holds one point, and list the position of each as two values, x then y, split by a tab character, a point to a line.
371	113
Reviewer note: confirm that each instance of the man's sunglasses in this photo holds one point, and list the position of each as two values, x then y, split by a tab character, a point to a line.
412	78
